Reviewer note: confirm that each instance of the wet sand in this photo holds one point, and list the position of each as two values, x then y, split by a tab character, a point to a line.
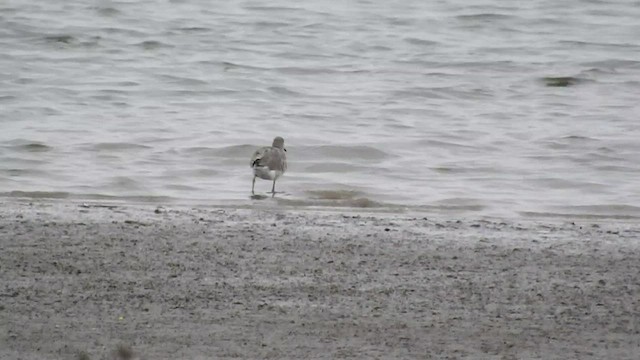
78	281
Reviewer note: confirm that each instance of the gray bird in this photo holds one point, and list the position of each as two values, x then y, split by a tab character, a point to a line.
269	163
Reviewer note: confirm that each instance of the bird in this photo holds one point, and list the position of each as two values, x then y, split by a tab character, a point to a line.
269	163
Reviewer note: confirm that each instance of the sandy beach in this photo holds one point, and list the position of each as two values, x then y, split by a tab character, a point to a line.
80	280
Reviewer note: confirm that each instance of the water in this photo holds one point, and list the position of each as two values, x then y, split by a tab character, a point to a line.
482	107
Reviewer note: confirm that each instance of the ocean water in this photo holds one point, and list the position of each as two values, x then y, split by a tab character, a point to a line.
451	107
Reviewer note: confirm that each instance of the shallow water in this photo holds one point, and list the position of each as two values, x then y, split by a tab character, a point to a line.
481	108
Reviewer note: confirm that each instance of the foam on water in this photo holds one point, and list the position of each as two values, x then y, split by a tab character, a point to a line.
448	107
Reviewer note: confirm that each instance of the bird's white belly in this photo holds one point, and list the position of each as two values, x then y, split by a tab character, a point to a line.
263	172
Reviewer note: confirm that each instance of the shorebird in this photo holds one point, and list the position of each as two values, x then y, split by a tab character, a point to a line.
269	163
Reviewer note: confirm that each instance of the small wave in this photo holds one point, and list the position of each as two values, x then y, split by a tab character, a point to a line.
614	64
294	70
276	9
442	93
361	202
462	170
128	83
204	172
617	168
108	11
111	92
334	194
445	144
23	161
152	45
270	24
182	80
558	183
193	29
484	17
180	187
575	43
126	199
89	196
281	90
25	172
420	42
566	142
25	81
125	183
230	66
561	81
111	146
332	167
233	151
440	144
361	152
373	48
37	194
455	205
62	38
129	32
31	147
450	208
578	138
418	92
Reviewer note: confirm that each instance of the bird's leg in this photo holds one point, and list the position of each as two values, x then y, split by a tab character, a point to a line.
253	185
273	188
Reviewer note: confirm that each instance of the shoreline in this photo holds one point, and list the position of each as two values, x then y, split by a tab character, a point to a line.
337	201
288	283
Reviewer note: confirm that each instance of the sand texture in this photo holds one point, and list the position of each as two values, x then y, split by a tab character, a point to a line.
77	281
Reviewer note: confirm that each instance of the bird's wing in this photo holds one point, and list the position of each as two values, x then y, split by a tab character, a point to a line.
273	158
257	156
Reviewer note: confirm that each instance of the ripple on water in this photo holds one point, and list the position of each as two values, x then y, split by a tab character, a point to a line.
334	194
443	93
560	183
361	202
562	81
193	29
333	167
116	146
124	183
353	152
485	17
281	90
108	11
153	45
181	187
31	147
37	194
193	173
61	38
25	172
421	42
612	64
8	98
462	203
233	151
182	80
569	142
459	169
125	32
